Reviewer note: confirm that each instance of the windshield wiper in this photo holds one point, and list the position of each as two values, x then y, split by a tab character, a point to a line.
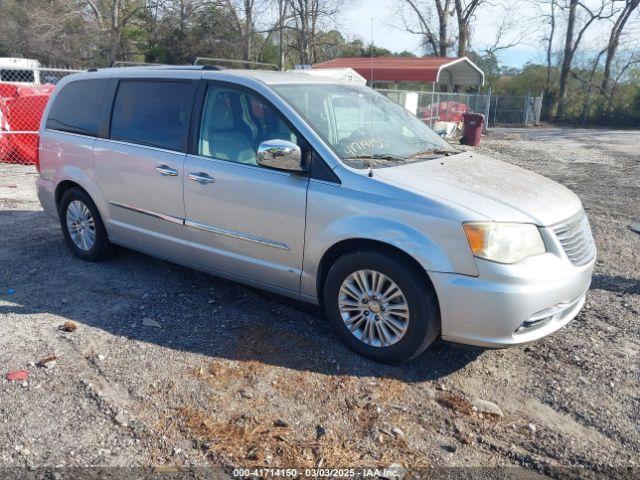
435	151
378	156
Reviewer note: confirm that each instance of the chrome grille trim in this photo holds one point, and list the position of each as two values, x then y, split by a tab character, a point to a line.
576	239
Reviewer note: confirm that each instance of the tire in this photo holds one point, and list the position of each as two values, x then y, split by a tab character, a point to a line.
76	204
422	327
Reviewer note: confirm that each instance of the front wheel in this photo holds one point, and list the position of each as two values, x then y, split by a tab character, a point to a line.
381	306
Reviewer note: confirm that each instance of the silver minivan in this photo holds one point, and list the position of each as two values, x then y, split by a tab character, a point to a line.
319	190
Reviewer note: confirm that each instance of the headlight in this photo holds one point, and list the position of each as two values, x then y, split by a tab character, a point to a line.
504	242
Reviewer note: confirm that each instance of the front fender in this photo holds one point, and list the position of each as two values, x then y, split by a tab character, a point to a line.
428	252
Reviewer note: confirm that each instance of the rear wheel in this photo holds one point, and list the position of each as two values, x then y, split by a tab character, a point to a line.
381	306
82	226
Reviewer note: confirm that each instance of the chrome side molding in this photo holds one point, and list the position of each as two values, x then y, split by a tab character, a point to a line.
162	216
239	235
207	228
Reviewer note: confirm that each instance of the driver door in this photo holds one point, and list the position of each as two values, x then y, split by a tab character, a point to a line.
242	218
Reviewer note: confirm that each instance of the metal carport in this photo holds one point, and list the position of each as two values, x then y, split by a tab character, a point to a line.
438	71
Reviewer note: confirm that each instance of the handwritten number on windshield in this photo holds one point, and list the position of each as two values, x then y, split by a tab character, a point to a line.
364	145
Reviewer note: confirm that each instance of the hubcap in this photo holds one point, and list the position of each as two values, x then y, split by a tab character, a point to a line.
373	308
81	226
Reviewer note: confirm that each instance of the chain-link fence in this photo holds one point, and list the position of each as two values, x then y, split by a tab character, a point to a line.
515	110
436	107
24	92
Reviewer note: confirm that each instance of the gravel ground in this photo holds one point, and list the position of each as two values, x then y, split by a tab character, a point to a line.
170	367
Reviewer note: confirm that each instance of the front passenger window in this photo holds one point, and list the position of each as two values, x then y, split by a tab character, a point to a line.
234	122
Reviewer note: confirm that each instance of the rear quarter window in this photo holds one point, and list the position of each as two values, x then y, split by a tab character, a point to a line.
76	109
153	113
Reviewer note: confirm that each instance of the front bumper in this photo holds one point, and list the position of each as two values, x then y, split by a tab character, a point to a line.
511	304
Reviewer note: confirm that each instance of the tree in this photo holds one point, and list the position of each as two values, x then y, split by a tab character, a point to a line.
567	57
111	21
626	68
280	22
309	16
244	15
418	21
612	46
52	31
571	44
588	83
178	30
548	12
328	45
488	63
530	79
465	13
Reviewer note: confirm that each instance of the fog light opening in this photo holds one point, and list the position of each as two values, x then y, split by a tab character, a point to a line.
535	323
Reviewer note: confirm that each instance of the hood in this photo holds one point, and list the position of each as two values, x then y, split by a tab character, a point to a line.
497	190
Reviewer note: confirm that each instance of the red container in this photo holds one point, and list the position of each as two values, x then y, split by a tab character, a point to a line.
472	129
21	110
442	112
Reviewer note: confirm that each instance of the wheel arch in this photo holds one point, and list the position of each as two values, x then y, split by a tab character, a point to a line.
65	186
364	244
72	177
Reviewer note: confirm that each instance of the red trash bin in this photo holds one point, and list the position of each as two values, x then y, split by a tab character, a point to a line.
472	128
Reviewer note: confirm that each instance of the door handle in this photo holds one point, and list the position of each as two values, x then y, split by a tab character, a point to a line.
166	171
201	178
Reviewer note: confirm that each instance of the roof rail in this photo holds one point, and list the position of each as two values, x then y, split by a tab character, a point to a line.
244	63
185	67
165	67
122	63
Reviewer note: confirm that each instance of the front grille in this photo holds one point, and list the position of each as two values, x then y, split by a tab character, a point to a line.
576	239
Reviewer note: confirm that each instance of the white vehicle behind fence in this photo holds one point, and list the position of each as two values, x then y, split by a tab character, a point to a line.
22	71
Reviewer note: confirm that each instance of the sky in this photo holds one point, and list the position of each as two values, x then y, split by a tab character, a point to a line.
387	31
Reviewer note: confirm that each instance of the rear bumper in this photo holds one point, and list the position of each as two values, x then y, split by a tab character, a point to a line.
511	304
47	196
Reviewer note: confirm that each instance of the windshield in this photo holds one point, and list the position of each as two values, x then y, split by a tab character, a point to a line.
364	127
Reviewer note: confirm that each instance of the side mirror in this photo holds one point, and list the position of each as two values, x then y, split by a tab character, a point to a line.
280	155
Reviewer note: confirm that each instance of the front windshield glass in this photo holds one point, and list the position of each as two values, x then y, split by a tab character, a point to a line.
364	127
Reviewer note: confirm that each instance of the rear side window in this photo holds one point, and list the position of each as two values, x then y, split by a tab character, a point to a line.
76	109
154	113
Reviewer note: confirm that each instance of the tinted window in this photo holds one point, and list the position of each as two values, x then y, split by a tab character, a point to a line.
152	113
76	108
234	122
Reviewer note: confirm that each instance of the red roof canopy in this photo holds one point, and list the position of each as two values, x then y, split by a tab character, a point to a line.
461	71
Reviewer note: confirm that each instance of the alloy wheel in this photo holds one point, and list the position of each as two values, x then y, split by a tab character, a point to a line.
373	308
81	225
